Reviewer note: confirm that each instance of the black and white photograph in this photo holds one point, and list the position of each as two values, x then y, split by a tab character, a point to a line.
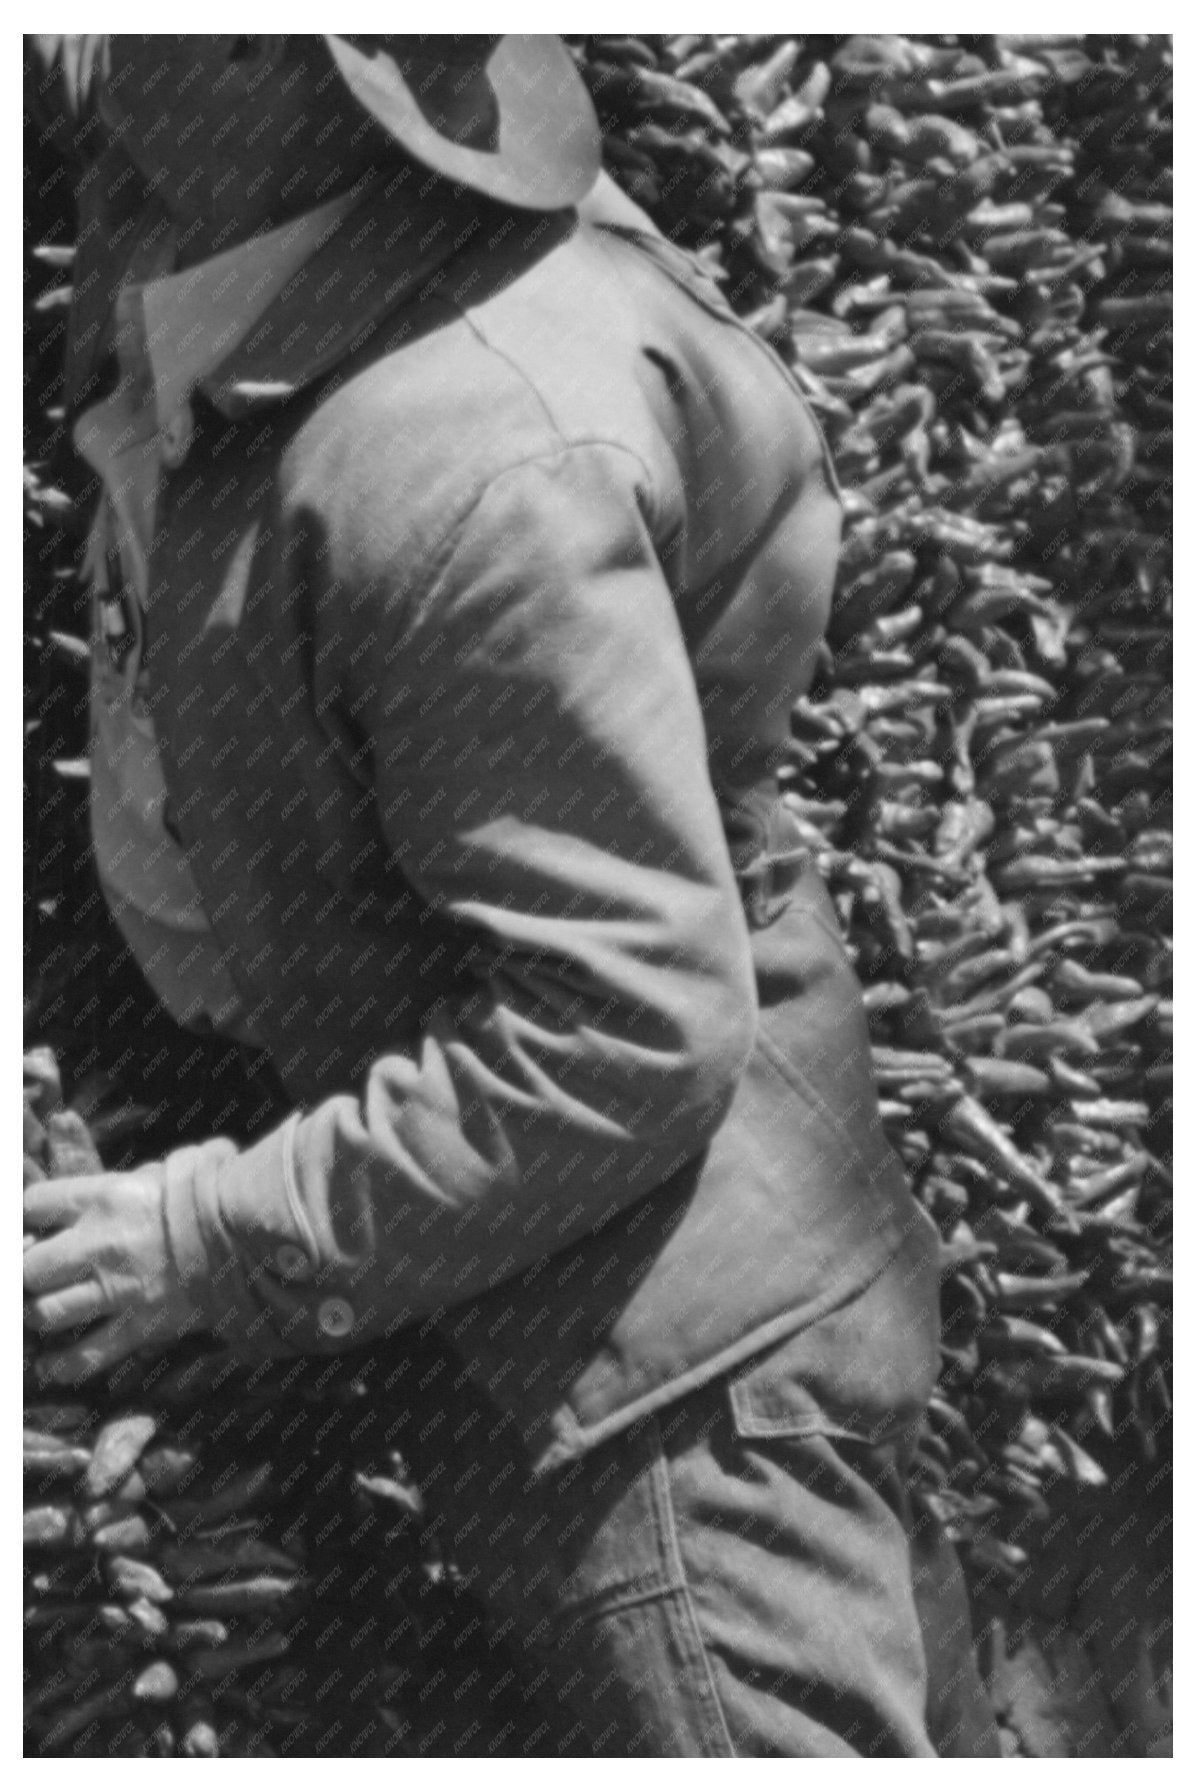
597	895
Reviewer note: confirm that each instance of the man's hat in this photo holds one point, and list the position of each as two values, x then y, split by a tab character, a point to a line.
508	116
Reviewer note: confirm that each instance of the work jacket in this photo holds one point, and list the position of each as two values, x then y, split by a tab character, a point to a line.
477	606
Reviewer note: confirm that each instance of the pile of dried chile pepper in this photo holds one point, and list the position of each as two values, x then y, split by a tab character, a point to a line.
963	248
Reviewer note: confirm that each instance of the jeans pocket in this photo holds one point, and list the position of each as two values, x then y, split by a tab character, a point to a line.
864	1371
610	1526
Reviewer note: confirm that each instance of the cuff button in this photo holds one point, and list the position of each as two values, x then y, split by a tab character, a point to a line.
291	1262
334	1318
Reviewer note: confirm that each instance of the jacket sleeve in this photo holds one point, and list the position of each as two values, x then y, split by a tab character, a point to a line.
540	773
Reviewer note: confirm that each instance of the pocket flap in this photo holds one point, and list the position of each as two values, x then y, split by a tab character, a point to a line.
865	1370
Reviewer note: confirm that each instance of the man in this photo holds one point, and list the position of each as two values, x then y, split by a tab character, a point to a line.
460	557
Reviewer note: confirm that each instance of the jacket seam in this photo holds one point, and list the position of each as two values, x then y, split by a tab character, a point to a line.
526	381
792	1074
429	569
668	1515
607	1605
520	374
750	1429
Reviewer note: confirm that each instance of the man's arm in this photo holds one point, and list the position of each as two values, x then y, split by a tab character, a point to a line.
577	843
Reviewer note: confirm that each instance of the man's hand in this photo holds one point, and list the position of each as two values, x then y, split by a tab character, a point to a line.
102	1259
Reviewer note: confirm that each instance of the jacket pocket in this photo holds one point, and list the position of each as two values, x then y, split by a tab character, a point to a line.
864	1371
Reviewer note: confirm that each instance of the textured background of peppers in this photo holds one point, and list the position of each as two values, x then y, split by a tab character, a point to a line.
963	245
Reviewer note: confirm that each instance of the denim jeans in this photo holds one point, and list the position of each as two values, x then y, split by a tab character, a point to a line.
739	1573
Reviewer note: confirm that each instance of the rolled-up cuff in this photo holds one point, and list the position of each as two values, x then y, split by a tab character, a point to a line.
238	1275
192	1214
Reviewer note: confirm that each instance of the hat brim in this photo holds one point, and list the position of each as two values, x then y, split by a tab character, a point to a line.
549	148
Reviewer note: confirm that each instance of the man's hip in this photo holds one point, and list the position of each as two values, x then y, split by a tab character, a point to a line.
733	1573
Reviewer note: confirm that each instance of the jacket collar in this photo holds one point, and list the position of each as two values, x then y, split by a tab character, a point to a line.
188	324
376	255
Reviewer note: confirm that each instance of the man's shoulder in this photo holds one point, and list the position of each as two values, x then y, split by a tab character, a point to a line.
467	387
570	337
524	338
